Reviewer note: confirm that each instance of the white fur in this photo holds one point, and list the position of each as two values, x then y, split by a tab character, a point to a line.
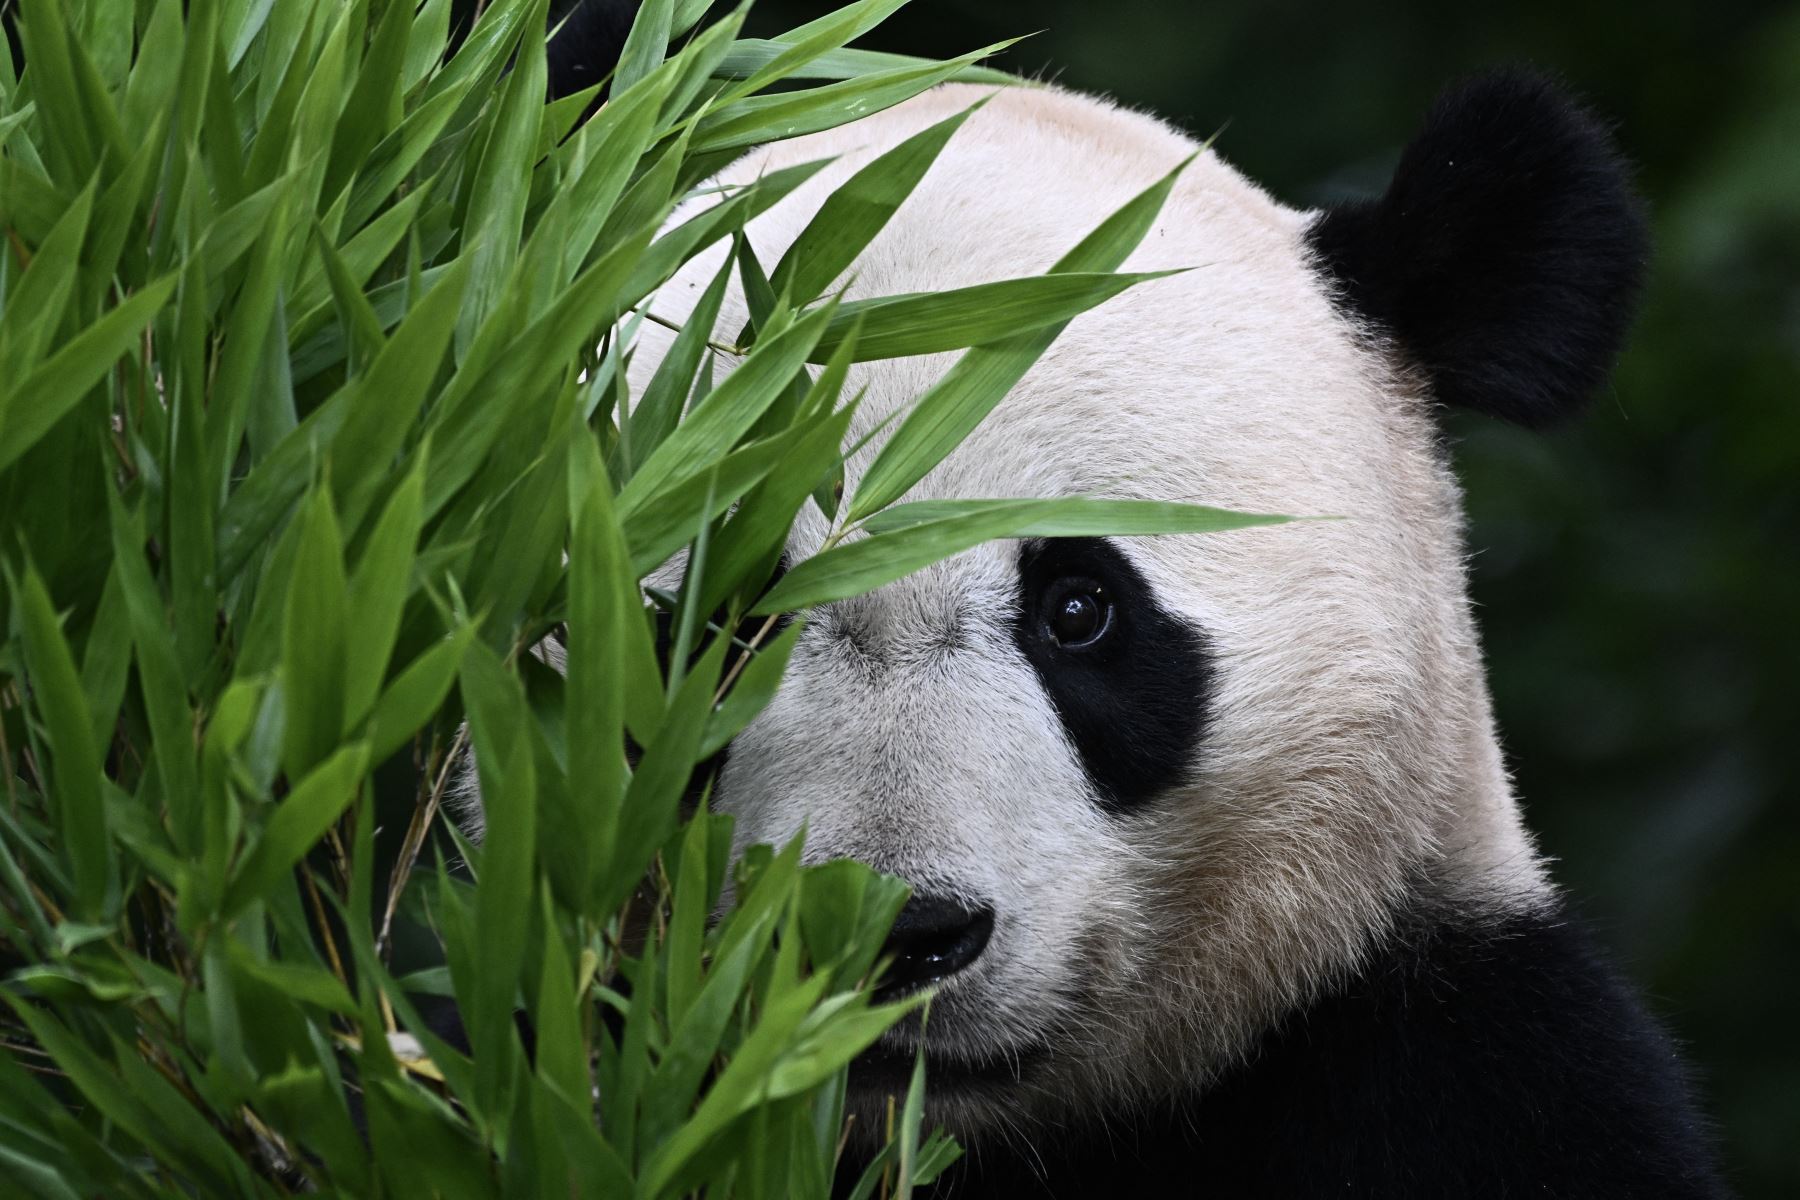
1351	758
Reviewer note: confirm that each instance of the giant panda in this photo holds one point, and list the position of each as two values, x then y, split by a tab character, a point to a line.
1218	876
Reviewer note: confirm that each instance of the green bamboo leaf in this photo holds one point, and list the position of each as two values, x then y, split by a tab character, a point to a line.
286	70
833	1034
944	529
246	337
655	415
790	114
958	402
32	406
650	811
483	54
606	633
698	61
867	563
596	1167
155	73
297	825
118	215
1077	516
753	539
658	526
139	1112
362	254
858	210
931	323
754	688
75	774
33	204
373	106
416	694
378	591
192	493
314	639
687	239
694	1041
509	373
823	35
35	302
389	164
106	662
646	44
354	312
749	56
221	138
502	184
243	21
717	422
687	921
560	1052
272	414
425	44
299	982
171	718
503	755
614	142
321	102
69	135
740	1084
13	121
241	227
384	406
911	1113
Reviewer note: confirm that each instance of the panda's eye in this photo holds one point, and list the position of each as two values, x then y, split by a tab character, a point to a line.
1077	612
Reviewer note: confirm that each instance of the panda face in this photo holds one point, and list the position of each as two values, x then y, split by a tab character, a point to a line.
1150	793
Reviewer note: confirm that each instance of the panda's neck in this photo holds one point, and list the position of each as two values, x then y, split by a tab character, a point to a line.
1473	1055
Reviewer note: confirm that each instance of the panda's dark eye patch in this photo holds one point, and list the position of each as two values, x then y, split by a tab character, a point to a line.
1077	612
1129	679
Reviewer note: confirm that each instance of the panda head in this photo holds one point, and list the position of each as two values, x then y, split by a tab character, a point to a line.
1153	793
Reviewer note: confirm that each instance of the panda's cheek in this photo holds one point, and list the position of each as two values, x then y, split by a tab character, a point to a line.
958	778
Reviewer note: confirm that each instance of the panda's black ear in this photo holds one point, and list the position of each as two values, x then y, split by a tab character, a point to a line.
587	42
1506	256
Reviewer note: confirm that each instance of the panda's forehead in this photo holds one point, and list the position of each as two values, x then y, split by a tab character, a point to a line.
1234	383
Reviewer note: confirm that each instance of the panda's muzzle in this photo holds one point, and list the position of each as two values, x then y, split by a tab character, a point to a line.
933	938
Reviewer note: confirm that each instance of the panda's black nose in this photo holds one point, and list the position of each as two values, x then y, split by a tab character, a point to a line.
934	937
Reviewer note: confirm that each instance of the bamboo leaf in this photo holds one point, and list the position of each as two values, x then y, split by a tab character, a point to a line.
957	403
56	687
30	408
378	591
790	114
35	303
754	688
716	423
646	44
931	323
314	639
858	210
297	824
904	545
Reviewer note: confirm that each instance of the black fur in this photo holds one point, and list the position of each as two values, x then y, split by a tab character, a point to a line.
587	45
1506	256
1472	1058
1135	703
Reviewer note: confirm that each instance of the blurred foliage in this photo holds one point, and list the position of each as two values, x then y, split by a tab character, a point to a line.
1638	575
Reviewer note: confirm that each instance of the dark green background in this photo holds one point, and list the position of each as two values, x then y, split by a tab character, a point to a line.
1639	575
